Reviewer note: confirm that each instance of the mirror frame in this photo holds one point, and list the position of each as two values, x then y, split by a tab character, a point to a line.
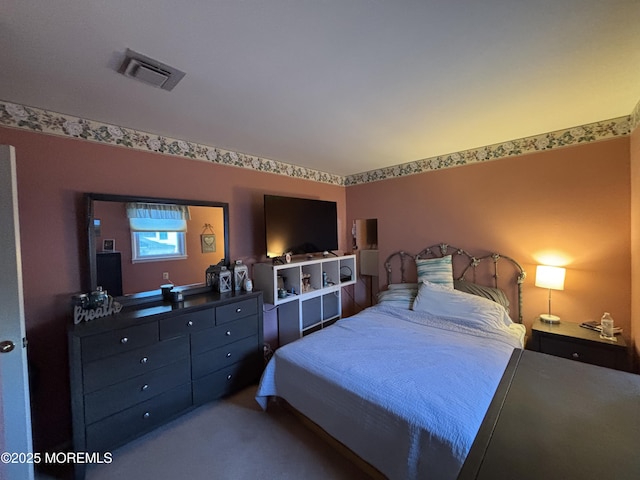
151	295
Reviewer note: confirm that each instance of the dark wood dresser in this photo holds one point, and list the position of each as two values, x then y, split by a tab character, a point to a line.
135	370
553	418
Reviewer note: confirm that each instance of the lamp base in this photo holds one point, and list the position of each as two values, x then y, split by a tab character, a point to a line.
548	318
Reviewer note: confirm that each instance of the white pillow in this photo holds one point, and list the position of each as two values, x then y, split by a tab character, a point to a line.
465	308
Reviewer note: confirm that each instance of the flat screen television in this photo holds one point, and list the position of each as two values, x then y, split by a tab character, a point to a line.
299	225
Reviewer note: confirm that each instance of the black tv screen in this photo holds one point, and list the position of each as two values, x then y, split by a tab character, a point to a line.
299	225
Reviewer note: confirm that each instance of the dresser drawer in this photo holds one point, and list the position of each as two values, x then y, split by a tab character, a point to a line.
229	332
114	369
187	323
107	401
234	311
116	429
225	381
118	341
212	360
578	351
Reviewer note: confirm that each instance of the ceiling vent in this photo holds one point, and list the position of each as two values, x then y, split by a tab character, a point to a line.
150	71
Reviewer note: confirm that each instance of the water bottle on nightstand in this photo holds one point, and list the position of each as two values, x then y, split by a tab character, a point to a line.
607	326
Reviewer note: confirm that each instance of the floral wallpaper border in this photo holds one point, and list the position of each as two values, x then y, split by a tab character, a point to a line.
38	120
547	141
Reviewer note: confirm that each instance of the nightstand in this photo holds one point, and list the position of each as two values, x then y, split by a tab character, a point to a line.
570	340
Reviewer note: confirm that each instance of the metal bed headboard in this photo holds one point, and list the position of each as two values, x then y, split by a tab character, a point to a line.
468	265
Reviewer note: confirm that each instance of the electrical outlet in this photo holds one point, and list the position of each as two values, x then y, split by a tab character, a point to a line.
165	275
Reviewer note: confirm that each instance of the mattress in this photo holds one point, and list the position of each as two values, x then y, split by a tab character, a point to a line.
404	390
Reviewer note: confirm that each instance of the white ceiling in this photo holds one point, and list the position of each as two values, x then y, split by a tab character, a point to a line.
341	86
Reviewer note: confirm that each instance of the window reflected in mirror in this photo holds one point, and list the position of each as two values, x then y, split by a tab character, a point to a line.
152	251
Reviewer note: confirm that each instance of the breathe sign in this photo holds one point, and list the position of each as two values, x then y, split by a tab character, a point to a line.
108	307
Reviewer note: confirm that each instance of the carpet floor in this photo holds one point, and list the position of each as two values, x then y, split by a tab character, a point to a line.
226	440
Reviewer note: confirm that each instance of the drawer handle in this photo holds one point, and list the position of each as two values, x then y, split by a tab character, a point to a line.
228	354
238	310
575	355
229	377
124	340
228	333
189	323
144	387
144	360
146	415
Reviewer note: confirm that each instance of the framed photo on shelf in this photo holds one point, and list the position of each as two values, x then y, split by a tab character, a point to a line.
108	245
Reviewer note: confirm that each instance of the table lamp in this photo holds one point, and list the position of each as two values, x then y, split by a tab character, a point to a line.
553	279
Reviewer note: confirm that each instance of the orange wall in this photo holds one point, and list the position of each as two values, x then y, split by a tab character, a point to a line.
635	241
574	201
53	173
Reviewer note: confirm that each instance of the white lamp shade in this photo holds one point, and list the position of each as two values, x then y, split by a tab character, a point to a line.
550	277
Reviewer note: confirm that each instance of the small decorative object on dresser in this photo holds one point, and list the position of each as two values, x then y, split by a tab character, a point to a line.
218	277
572	341
240	275
98	304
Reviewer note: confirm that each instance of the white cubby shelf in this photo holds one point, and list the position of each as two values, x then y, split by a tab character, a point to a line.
306	306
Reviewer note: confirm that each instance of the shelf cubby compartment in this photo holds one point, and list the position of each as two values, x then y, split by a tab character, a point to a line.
291	279
330	306
311	312
348	268
314	270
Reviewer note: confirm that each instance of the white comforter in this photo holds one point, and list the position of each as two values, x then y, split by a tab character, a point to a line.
404	390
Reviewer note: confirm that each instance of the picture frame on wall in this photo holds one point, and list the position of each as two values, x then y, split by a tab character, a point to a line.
108	245
208	242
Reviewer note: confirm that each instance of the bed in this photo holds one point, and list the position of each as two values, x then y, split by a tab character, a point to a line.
405	384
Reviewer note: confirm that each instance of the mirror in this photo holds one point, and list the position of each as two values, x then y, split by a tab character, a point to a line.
112	249
365	243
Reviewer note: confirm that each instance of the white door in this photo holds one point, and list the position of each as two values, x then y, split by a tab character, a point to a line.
15	413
